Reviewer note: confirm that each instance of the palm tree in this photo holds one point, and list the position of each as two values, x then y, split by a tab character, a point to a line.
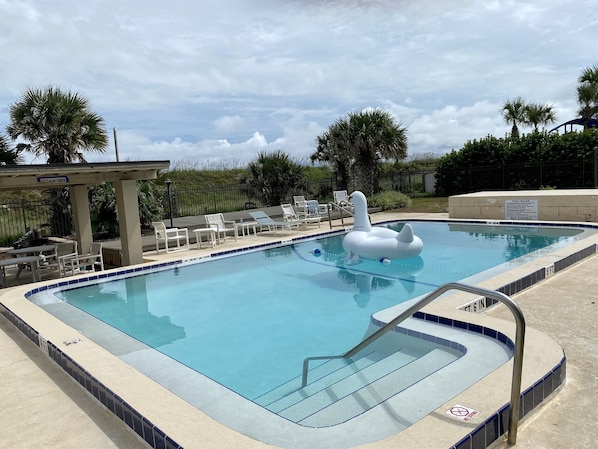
360	142
589	75
586	99
587	94
514	113
56	124
539	114
376	137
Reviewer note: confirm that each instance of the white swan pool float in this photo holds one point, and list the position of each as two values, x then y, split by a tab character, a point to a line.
376	242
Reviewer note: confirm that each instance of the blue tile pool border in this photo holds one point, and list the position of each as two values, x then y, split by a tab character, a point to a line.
497	424
143	427
480	438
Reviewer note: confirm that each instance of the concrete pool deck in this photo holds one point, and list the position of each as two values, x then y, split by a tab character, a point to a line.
562	306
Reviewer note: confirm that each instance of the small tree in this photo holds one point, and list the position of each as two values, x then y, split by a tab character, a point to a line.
104	212
276	176
8	154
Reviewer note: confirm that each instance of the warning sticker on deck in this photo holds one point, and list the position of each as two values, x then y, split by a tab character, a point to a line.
461	412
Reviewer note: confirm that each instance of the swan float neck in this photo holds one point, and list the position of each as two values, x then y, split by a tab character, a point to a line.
362	219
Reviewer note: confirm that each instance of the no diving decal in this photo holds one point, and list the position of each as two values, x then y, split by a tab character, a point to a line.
461	412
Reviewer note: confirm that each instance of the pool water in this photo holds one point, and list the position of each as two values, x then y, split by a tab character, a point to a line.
248	321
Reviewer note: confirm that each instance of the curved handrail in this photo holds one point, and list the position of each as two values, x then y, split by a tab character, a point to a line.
498	296
341	208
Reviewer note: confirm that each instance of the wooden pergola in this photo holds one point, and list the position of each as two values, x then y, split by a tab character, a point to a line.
77	177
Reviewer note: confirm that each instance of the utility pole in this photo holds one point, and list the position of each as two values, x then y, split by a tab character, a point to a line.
115	143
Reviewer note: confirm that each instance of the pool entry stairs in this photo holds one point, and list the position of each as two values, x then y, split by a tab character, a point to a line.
341	389
347	385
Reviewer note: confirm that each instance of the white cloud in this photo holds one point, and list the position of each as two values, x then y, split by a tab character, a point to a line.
228	123
213	80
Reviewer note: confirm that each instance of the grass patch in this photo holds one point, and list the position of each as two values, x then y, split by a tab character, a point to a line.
428	204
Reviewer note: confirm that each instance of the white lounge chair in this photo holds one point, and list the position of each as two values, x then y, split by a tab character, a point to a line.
265	221
303	217
167	235
221	226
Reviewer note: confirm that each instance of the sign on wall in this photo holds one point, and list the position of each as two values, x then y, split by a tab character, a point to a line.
521	209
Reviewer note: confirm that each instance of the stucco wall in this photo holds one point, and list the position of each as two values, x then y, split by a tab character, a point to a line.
553	205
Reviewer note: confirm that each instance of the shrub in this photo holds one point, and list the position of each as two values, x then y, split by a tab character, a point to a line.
389	200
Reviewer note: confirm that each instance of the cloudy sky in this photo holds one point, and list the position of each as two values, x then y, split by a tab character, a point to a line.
211	83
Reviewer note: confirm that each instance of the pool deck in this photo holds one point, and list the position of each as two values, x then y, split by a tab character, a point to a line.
43	407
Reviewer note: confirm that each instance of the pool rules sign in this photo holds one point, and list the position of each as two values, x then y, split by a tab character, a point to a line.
521	209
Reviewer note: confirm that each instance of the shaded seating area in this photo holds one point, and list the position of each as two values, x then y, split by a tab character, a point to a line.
39	248
265	222
170	235
56	258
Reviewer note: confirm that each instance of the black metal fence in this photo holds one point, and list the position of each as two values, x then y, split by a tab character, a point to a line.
579	174
229	198
19	216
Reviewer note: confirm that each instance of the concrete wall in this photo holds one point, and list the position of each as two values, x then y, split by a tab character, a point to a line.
552	205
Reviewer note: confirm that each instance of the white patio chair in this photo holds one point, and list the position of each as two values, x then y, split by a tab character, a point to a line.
221	226
341	201
301	215
82	263
55	262
298	199
166	235
313	207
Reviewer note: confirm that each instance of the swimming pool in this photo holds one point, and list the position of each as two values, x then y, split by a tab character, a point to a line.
371	285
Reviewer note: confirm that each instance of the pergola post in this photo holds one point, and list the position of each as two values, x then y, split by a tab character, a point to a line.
128	217
81	217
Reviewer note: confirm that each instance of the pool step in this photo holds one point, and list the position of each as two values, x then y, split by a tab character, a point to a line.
326	403
320	376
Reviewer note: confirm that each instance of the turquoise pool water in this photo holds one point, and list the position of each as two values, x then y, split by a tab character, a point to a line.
248	321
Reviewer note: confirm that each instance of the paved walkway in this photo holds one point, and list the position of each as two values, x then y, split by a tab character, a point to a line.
44	408
564	307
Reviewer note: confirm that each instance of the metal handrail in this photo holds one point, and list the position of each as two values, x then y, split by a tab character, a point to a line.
498	296
332	206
